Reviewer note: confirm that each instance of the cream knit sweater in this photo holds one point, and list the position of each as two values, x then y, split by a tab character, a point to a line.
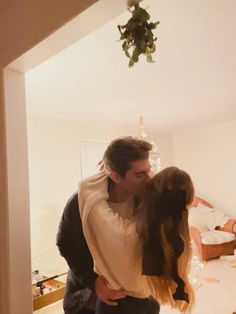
113	241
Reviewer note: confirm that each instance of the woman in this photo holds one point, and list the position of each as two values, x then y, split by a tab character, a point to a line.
149	255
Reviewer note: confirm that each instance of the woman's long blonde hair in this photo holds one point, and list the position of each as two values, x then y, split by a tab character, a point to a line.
159	221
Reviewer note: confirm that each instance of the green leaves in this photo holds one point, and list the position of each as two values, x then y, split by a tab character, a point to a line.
138	36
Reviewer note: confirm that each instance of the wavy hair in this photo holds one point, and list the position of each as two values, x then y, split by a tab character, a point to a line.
165	232
124	150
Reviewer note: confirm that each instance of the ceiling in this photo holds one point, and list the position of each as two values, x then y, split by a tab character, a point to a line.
191	84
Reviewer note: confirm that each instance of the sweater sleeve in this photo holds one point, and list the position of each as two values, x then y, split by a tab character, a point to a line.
105	216
112	241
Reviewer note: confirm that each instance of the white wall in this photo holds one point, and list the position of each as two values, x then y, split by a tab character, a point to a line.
47	17
54	165
16	38
18	194
209	155
54	173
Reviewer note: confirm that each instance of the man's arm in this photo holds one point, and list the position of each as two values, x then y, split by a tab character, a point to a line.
73	247
72	244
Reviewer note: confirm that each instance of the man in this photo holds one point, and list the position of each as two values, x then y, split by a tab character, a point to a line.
126	161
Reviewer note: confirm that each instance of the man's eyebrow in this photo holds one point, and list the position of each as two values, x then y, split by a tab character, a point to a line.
142	172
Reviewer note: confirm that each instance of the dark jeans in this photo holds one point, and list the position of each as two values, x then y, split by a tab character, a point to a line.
75	298
82	311
129	305
86	311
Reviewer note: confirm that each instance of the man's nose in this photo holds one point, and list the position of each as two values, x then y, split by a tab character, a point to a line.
147	177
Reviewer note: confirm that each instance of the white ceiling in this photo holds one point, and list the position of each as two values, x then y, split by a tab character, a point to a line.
191	84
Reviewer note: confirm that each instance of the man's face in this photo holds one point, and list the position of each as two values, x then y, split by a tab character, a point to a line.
136	177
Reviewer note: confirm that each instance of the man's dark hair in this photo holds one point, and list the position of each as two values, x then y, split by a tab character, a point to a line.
122	151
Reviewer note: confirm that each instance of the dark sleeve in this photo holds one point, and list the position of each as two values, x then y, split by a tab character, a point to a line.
72	244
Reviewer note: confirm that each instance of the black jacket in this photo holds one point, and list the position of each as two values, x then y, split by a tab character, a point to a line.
73	247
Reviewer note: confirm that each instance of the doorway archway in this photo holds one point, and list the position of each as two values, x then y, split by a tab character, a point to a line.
15	270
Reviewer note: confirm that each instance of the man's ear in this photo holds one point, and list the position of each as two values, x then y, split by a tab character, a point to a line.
115	177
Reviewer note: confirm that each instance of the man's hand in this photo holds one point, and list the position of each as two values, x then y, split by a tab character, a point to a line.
106	294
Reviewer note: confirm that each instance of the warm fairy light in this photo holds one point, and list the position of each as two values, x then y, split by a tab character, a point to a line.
154	155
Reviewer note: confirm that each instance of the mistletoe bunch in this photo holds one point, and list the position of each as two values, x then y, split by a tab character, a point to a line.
137	35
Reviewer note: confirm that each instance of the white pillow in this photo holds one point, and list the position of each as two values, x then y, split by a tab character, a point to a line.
195	219
205	218
216	237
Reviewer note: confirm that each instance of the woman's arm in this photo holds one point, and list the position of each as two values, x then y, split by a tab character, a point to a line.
111	240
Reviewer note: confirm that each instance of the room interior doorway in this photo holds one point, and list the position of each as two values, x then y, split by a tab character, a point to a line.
18	296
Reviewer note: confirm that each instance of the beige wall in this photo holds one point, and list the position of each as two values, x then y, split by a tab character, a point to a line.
4	240
209	154
54	160
22	25
55	170
25	23
85	23
18	195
